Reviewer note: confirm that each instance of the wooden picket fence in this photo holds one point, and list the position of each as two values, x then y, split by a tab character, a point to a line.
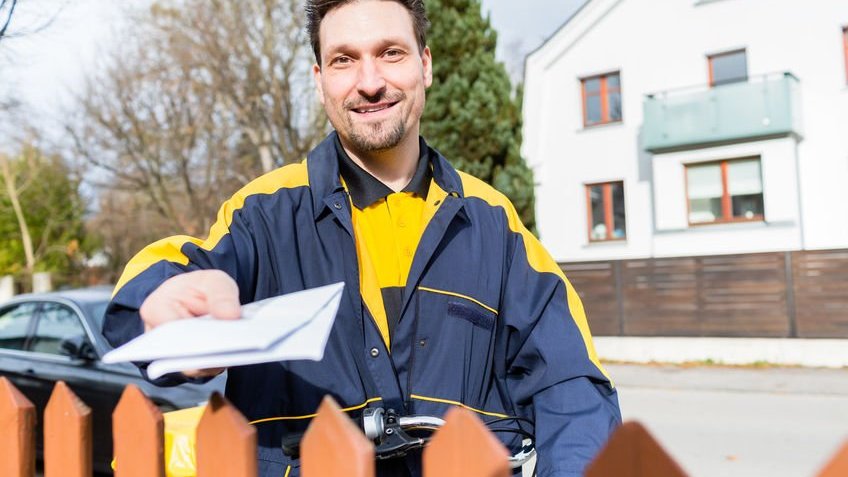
332	445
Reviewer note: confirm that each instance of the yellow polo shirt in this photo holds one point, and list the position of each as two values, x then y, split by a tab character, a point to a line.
388	226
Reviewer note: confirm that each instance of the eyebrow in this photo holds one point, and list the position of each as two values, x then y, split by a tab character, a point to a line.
341	47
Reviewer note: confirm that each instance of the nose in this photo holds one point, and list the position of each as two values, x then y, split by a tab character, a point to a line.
371	82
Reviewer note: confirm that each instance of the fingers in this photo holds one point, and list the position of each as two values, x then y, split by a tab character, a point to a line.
222	295
192	294
203	373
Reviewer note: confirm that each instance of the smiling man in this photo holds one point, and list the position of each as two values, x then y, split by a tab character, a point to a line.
449	299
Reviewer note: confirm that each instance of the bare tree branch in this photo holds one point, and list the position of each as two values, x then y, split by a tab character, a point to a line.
210	94
4	4
7	11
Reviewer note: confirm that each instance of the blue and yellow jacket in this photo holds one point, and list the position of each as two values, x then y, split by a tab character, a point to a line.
488	320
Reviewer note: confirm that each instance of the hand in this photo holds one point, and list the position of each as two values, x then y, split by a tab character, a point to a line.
203	373
192	294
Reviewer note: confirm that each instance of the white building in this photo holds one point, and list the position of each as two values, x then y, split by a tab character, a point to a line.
671	128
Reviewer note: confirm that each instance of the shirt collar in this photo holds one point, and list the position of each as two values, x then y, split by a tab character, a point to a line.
366	189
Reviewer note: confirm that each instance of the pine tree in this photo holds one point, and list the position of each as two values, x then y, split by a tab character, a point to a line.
472	115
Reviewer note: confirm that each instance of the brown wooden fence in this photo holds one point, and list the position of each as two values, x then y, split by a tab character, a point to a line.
801	294
332	445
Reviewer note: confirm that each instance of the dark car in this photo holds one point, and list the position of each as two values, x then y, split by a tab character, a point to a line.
56	336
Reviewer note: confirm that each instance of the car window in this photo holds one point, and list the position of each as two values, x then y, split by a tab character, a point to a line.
14	322
96	311
55	323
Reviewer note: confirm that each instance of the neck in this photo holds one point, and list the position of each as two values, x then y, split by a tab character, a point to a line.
393	167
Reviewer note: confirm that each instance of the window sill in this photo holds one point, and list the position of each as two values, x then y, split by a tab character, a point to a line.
603	243
705	2
729	226
600	126
741	220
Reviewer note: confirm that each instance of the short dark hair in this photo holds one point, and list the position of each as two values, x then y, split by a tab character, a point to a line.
316	10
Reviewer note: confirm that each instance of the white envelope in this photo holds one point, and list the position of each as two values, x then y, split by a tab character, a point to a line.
287	327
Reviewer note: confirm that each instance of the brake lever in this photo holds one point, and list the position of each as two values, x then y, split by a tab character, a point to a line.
291	445
393	441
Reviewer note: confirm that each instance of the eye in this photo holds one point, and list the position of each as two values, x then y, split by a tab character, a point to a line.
341	61
393	54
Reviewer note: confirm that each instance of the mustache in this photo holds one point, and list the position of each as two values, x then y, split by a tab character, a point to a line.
383	96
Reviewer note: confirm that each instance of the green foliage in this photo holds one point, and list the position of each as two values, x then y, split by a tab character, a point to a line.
472	116
53	209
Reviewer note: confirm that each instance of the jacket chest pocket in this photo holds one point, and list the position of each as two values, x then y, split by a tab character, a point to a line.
454	344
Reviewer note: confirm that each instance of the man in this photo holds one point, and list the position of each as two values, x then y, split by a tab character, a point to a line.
448	299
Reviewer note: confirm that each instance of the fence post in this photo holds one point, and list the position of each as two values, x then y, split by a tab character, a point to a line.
465	447
17	432
633	452
67	434
333	445
42	282
7	287
137	434
838	465
226	442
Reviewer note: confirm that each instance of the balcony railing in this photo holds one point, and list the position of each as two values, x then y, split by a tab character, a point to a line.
764	106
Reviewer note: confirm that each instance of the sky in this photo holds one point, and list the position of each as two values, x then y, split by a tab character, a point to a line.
523	25
47	68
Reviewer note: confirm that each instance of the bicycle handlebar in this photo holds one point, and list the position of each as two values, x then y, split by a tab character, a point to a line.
389	432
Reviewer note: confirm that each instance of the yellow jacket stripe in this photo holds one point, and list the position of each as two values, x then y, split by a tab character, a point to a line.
170	249
537	257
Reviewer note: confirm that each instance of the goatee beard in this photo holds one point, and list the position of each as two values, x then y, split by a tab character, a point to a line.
380	136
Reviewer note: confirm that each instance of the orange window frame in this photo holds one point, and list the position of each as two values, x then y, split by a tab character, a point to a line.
606	198
726	202
604	92
845	50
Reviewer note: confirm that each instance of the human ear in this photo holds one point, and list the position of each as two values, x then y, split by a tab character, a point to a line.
316	76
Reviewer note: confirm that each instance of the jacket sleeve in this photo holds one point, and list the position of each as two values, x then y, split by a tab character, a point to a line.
553	374
229	247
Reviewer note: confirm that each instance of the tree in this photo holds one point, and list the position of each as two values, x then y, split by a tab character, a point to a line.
124	223
253	58
7	9
38	16
210	94
41	214
472	115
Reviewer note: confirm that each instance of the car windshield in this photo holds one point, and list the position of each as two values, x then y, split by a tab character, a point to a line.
96	310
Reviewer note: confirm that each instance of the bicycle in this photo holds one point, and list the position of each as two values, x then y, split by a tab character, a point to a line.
395	436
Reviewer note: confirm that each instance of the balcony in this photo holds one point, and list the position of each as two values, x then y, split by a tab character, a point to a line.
763	107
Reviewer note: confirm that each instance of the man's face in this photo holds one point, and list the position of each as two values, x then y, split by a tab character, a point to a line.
372	76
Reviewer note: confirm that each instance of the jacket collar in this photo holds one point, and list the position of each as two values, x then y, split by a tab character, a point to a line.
366	189
322	166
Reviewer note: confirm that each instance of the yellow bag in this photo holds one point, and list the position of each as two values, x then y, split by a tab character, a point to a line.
180	441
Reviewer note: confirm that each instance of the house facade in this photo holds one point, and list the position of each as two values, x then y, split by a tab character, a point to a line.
661	131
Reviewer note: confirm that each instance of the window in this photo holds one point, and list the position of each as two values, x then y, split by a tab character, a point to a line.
601	99
14	323
845	50
729	67
726	191
97	311
55	323
606	211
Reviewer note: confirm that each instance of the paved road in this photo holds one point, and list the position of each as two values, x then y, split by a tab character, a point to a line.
739	422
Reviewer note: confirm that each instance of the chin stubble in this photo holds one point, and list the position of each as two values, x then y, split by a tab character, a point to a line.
380	136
